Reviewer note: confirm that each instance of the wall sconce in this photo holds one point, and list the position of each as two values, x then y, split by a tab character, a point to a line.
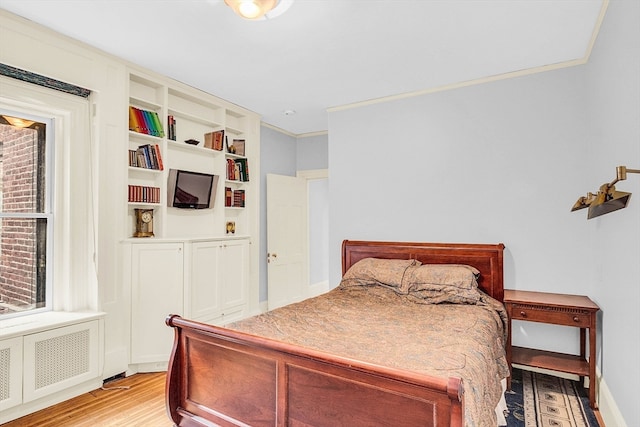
607	199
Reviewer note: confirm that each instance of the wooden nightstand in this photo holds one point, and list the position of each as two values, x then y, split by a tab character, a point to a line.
556	309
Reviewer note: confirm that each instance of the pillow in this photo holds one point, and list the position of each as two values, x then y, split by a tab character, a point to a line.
377	271
442	283
438	294
455	275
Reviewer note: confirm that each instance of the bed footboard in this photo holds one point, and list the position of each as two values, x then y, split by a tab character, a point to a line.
223	377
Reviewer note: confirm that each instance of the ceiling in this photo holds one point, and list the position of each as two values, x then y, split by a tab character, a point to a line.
321	54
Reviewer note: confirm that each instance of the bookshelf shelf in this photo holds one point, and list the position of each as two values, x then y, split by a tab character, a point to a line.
143	204
233	131
144	104
196	149
133	136
206	121
138	169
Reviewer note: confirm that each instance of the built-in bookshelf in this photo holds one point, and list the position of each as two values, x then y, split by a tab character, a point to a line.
174	126
200	263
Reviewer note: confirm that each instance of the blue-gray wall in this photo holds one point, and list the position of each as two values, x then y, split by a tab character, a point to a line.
278	156
504	162
313	152
612	87
284	154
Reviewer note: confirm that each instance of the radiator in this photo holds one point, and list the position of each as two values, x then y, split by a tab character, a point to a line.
59	358
10	373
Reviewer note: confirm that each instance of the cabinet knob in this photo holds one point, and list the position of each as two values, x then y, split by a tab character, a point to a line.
576	319
523	313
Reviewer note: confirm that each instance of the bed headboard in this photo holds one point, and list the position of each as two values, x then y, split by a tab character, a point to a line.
487	258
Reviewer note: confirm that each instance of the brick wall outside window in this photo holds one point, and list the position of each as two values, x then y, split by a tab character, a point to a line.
18	187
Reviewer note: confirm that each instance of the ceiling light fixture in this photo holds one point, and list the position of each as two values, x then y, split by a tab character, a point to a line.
251	9
259	10
18	122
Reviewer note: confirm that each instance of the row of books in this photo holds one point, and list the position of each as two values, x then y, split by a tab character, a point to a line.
144	194
214	140
145	121
171	128
237	170
146	156
234	198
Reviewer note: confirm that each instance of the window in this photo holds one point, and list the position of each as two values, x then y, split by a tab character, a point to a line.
25	213
54	230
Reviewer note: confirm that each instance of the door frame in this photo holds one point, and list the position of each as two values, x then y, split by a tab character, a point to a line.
310	175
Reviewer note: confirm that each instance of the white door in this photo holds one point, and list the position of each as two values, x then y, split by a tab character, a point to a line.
287	244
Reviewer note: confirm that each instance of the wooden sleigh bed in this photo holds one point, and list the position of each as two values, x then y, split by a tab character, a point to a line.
226	377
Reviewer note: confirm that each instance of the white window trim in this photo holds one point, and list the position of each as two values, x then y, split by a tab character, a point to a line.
73	272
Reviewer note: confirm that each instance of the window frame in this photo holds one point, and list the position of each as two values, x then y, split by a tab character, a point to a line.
47	211
72	199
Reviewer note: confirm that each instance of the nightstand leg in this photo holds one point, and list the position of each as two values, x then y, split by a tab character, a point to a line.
508	351
592	364
583	350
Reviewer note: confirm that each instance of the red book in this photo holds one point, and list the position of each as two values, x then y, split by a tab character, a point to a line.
159	157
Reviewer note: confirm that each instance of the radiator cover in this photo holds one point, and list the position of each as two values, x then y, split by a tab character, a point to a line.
59	358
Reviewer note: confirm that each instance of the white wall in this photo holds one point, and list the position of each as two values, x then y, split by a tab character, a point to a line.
36	49
504	162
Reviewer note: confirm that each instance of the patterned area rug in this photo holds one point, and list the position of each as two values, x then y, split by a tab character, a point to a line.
539	400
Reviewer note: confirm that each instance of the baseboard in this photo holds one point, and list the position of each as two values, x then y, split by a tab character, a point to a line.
264	307
318	288
147	367
609	411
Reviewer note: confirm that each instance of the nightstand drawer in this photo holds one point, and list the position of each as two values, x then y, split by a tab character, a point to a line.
559	317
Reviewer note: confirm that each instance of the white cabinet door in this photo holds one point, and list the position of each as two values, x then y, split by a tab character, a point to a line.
234	279
218	286
203	293
157	288
10	373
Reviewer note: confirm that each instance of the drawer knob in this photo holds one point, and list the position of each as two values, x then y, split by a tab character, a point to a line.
523	313
576	319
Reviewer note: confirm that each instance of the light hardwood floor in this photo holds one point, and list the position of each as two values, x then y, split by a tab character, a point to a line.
141	405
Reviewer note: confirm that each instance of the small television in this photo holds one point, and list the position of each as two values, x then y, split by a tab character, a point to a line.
191	190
